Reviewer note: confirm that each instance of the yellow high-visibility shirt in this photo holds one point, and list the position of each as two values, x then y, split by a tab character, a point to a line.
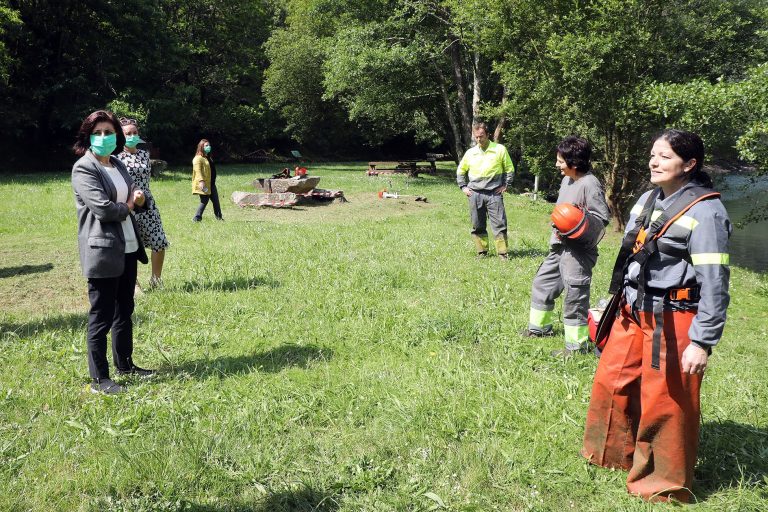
480	169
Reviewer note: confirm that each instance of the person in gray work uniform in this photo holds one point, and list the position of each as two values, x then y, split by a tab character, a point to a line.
568	266
483	175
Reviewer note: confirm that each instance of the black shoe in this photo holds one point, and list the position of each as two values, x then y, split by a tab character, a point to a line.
566	353
196	219
106	386
527	333
219	218
503	257
136	370
481	255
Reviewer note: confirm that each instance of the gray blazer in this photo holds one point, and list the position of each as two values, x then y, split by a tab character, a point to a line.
99	233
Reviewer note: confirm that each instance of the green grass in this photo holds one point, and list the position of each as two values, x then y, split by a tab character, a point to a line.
339	357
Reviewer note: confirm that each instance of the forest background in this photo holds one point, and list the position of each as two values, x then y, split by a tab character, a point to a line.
341	79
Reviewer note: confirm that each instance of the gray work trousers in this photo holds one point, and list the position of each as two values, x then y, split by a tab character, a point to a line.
485	206
569	270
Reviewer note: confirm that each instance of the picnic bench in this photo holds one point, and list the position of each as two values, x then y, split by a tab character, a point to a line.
410	167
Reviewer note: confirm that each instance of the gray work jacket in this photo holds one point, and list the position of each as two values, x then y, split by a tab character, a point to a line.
99	232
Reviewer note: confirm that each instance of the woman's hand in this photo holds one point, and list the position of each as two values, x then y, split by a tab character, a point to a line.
202	186
129	202
467	191
138	197
694	360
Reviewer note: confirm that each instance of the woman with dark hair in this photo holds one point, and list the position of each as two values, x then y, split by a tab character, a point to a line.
568	266
204	180
150	226
105	196
672	276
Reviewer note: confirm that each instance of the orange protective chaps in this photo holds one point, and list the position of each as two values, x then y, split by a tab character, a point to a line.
644	412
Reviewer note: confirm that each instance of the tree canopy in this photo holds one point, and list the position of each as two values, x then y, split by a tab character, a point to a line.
344	77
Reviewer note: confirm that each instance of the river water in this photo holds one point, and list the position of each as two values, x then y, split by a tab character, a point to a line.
749	243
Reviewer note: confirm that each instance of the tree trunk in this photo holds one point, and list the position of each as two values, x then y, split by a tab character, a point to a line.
458	143
477	84
461	90
502	121
617	182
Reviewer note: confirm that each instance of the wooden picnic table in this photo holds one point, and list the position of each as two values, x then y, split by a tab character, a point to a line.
411	167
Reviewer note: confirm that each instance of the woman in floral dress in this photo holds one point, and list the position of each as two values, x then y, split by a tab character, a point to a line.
150	225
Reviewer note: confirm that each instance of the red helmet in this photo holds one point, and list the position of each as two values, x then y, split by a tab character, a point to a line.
569	220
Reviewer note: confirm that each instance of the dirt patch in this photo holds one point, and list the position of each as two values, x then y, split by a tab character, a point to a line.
365	205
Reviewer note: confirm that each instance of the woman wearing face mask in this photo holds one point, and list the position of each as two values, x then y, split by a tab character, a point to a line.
672	274
150	226
109	246
204	180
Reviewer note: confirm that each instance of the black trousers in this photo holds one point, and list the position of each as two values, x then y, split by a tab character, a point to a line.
214	198
112	305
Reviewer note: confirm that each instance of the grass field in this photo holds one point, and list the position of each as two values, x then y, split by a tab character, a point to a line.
343	357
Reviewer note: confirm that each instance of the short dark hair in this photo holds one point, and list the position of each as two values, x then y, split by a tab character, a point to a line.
576	151
83	140
480	124
688	145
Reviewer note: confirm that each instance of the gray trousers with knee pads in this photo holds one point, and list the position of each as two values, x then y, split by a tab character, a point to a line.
570	271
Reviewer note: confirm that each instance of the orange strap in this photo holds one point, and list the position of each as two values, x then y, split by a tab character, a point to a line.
642	234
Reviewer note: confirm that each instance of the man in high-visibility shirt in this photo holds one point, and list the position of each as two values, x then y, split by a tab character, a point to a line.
483	175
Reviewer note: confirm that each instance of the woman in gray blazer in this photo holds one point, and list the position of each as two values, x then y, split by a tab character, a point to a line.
109	246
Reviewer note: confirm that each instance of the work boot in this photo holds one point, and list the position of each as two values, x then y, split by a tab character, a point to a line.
501	245
481	243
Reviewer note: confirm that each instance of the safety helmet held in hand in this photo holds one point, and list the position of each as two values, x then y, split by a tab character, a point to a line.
569	220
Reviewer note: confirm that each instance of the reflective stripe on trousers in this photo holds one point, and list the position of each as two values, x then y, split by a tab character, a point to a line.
641	418
563	270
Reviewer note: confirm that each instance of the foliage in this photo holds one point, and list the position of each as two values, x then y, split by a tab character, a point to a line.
588	68
9	19
729	114
353	77
192	68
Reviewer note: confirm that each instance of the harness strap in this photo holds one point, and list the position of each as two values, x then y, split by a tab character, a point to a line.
658	329
628	244
657	229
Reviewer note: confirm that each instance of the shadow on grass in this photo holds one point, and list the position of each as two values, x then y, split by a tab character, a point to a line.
305	499
229	285
730	455
528	252
53	323
24	270
271	361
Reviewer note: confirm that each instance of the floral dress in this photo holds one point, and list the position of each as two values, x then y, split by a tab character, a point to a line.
150	225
